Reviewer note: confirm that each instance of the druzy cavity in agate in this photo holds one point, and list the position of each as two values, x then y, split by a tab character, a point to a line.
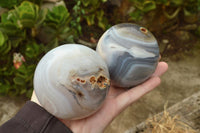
131	53
71	81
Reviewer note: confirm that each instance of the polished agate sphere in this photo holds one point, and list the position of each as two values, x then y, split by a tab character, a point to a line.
71	81
131	53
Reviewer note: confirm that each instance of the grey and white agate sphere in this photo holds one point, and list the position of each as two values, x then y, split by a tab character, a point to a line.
71	81
131	53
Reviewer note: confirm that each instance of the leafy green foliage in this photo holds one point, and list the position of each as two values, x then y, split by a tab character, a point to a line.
2	39
24	16
8	3
56	27
27	31
12	3
170	8
93	13
89	11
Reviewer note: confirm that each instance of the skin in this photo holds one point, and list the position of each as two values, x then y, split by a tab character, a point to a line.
118	100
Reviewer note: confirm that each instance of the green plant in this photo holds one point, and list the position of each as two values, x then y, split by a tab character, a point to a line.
170	8
89	11
142	7
27	31
12	3
9	3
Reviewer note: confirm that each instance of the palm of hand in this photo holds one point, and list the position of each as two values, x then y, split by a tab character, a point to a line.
117	100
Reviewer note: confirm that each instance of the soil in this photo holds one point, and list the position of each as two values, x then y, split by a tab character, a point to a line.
180	81
9	107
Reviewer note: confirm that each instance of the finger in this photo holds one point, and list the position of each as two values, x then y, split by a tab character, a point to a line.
161	69
128	97
114	92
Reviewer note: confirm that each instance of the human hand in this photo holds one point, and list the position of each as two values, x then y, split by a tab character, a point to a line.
118	99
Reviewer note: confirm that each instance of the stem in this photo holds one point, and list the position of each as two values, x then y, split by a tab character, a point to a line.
173	15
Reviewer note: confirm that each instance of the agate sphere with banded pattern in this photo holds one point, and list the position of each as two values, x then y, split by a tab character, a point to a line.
131	53
71	81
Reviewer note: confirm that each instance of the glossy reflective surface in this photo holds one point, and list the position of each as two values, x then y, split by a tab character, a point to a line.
131	53
71	81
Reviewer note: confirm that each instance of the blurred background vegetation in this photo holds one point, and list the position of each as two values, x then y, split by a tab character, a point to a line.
28	29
